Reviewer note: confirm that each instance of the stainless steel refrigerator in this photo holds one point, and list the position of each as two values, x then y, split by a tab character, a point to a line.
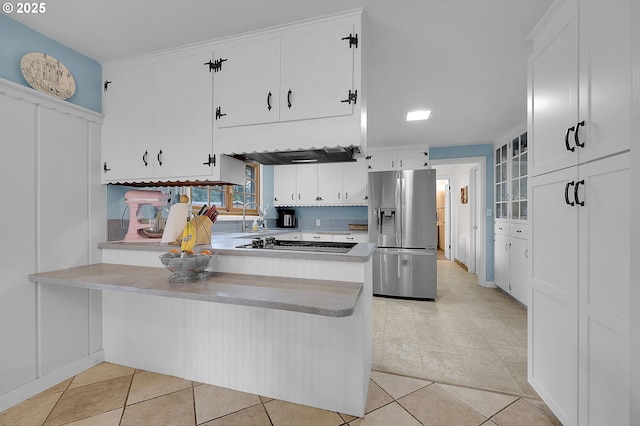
402	222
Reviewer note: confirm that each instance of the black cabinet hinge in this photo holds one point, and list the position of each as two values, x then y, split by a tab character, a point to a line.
106	85
353	40
105	168
216	65
219	113
351	97
211	161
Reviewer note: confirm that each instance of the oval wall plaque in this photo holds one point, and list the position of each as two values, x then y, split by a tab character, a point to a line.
47	74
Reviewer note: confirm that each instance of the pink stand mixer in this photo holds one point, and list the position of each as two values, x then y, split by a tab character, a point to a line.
135	200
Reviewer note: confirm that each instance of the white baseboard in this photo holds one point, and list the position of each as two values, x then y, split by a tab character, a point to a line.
488	284
43	383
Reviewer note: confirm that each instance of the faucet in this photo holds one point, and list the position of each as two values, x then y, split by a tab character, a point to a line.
244	214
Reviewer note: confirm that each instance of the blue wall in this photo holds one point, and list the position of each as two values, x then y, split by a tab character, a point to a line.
17	39
467	151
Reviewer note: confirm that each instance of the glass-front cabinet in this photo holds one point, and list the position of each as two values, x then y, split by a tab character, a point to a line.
519	178
511	179
502	177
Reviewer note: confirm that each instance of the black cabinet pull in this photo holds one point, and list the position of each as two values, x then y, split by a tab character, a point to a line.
105	168
575	193
269	101
160	157
566	139
566	193
289	98
576	138
144	158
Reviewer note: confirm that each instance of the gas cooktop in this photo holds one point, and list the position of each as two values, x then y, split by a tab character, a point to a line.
315	246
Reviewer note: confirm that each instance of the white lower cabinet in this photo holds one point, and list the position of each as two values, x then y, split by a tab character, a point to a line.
310	236
518	269
511	257
579	315
501	257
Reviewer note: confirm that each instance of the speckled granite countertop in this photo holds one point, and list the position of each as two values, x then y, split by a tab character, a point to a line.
320	297
226	244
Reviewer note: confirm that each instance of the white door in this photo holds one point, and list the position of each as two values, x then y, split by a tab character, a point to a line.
182	118
354	182
605	108
307	184
447	221
518	269
605	290
247	85
316	74
473	216
501	261
330	183
553	298
413	159
554	79
284	185
127	131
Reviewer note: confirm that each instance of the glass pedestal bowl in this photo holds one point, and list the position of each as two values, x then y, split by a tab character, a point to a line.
188	267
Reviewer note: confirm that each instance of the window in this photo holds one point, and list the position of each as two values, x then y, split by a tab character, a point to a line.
230	199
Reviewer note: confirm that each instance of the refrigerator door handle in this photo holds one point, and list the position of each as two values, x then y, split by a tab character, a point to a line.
399	216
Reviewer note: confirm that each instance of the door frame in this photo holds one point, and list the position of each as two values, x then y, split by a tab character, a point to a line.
448	215
482	255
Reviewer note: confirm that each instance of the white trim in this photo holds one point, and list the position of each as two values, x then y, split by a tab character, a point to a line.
43	383
210	45
32	96
482	206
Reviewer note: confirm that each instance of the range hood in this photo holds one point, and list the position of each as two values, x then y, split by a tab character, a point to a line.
311	156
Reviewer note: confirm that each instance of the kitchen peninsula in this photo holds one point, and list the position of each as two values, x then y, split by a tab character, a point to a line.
289	325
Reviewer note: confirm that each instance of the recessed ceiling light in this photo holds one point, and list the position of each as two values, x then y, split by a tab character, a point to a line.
310	160
418	115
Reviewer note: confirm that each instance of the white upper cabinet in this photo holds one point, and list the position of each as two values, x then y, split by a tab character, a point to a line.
398	159
354	183
285	185
296	77
317	74
291	88
580	86
247	85
158	122
330	183
127	132
326	184
182	117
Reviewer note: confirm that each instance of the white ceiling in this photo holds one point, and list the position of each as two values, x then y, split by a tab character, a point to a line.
464	59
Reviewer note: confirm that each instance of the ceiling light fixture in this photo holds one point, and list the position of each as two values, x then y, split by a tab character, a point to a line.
418	115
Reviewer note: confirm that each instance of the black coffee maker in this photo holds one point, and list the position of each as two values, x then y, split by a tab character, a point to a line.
287	218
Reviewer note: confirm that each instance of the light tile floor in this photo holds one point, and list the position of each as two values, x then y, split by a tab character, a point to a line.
111	395
471	335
